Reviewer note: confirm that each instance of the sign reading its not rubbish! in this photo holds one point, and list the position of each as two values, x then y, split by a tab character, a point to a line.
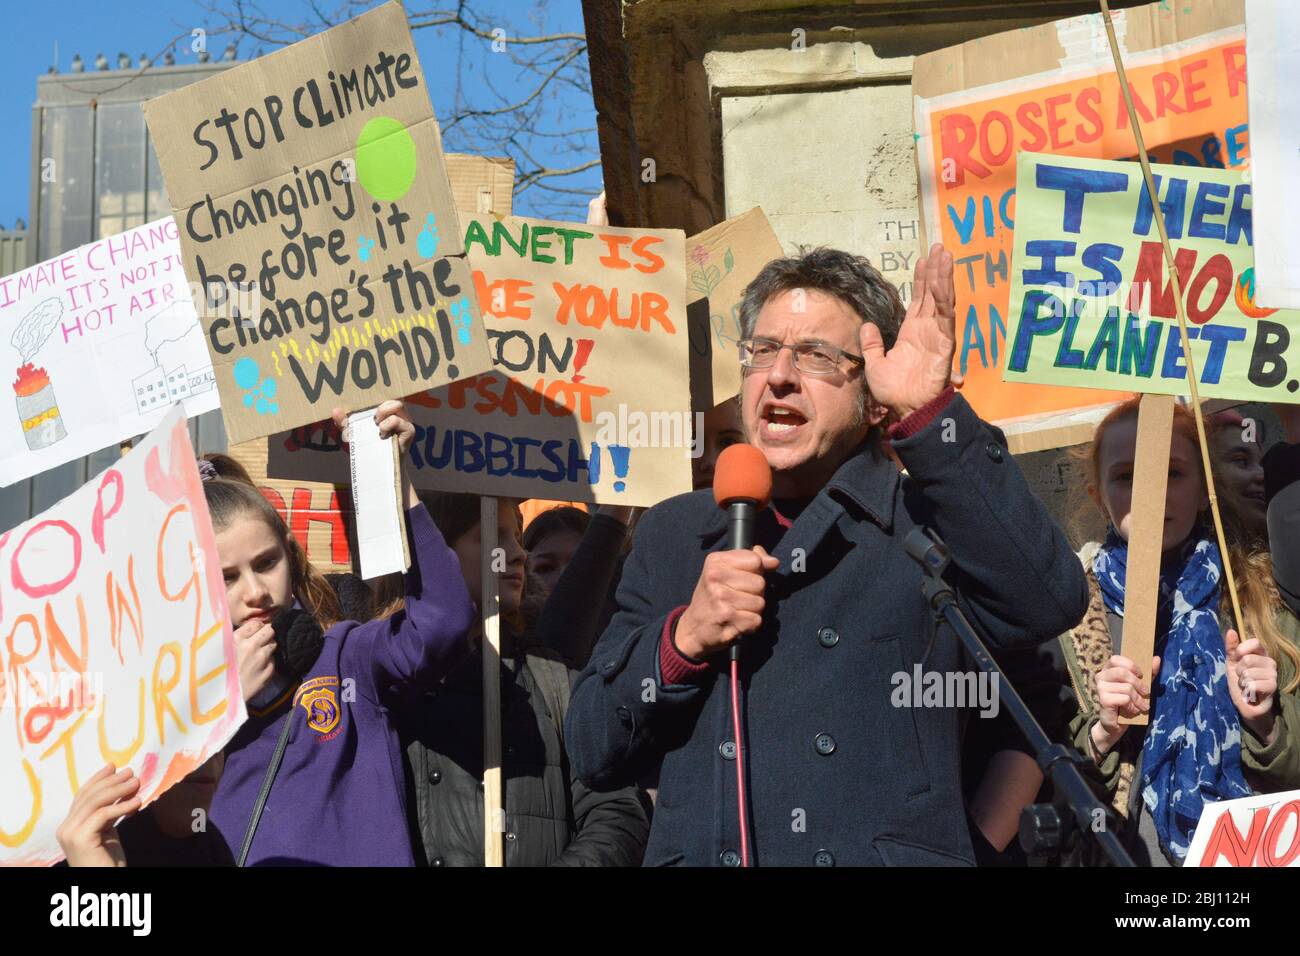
589	399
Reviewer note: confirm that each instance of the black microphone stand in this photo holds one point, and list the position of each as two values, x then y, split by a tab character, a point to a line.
1042	826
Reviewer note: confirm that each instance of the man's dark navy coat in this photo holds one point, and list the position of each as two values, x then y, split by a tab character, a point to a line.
837	775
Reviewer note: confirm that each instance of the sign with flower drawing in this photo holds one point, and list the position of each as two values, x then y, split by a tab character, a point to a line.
720	262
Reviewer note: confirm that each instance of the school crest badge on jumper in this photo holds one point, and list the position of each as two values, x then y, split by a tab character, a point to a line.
317	696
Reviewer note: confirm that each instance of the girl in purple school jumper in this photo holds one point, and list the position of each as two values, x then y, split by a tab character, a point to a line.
315	777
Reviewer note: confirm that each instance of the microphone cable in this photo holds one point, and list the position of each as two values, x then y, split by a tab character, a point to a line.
740	755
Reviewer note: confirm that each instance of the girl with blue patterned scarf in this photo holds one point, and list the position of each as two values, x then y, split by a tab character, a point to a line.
1213	716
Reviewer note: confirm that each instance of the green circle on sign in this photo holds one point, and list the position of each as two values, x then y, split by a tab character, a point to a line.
385	158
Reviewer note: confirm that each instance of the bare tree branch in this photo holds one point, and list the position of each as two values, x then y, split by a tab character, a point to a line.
538	114
511	108
139	72
454	20
529	178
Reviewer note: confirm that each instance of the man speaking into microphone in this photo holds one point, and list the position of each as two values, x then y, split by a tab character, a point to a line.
826	607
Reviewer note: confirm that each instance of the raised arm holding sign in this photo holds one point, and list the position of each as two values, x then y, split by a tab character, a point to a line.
329	794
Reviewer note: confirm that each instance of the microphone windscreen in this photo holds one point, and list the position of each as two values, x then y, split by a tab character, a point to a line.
298	641
742	473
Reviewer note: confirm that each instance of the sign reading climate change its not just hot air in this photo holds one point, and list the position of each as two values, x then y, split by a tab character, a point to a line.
314	208
100	341
1092	303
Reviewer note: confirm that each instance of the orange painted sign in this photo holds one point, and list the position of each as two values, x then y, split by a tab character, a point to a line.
589	396
1187	73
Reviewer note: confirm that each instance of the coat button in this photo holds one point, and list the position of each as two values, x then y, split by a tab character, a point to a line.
824	744
823	858
510	837
435	776
993	450
730	858
828	637
436	861
728	749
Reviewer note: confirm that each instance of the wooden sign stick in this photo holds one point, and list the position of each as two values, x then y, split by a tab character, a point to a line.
493	807
1175	280
1146	533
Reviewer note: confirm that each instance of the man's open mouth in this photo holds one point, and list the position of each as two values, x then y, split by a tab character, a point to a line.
781	423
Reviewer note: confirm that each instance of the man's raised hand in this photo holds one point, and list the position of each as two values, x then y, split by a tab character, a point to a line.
919	366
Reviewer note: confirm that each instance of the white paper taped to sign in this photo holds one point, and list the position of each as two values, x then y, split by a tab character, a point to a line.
376	497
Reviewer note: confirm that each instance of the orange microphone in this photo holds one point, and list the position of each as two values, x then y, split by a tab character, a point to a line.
742	486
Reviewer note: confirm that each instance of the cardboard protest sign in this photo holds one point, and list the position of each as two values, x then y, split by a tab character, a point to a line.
1262	830
481	183
1052	88
589	400
314	209
118	644
1091	300
320	514
1273	49
101	342
720	262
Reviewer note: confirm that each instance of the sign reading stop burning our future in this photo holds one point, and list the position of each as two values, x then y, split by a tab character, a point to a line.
116	646
314	208
1091	297
589	399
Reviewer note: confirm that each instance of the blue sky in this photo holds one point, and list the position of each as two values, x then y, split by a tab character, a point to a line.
32	31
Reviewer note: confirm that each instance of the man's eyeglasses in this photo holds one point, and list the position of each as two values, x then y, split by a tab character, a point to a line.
811	358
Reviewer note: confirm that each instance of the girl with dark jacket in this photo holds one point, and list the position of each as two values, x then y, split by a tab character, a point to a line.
551	819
